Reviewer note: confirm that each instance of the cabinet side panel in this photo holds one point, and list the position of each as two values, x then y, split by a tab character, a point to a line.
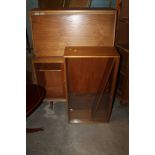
52	79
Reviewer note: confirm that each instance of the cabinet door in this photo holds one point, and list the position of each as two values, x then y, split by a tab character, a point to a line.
51	76
91	85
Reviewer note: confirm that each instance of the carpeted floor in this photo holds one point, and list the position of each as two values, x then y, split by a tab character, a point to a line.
61	138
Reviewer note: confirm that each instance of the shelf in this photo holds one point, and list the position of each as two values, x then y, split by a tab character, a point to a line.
124	47
124	20
54	59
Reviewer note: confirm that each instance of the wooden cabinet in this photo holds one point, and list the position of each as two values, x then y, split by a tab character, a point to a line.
51	75
75	59
122	44
91	74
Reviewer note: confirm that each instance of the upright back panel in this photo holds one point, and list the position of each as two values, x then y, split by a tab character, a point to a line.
53	30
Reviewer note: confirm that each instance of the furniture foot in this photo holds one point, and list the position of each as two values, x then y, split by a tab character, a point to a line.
51	105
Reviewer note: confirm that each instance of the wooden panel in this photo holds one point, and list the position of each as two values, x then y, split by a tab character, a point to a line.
54	30
122	42
123	80
48	60
124	62
81	105
51	76
84	75
123	88
125	9
90	52
91	83
123	34
48	66
79	3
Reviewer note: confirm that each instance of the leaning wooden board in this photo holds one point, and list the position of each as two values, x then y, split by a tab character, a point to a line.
53	30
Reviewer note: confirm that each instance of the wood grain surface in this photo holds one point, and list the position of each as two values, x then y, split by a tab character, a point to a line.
54	30
51	77
90	52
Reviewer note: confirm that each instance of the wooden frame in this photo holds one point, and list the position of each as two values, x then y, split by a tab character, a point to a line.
51	60
122	44
87	102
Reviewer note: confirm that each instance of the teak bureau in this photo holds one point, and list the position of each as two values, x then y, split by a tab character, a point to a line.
76	61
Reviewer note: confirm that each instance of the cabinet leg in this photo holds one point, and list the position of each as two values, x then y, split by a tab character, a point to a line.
51	105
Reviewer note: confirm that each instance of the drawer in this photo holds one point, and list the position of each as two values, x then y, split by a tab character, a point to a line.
48	66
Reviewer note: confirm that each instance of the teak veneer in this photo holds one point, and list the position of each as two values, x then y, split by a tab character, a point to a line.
90	52
75	60
53	30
